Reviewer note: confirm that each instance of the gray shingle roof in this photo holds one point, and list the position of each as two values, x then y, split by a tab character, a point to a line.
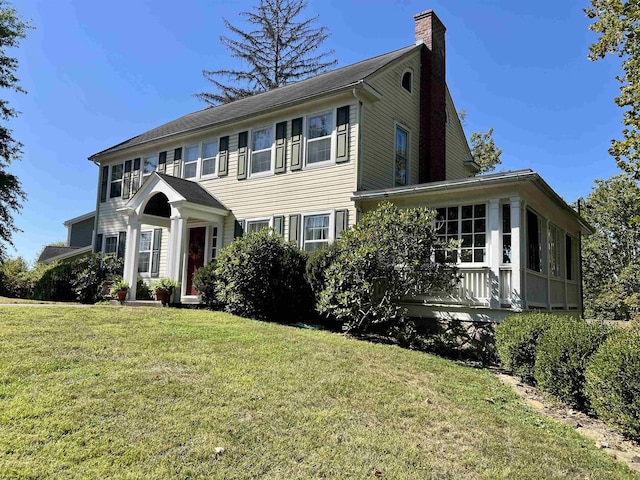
290	94
192	191
51	251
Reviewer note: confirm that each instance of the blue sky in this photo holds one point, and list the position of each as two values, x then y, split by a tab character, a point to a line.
99	73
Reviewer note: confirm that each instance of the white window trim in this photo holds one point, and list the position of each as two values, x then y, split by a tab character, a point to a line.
197	161
146	274
215	159
397	125
333	137
332	228
258	219
271	170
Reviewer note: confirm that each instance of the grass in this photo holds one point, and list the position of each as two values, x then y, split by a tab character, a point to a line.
115	392
16	301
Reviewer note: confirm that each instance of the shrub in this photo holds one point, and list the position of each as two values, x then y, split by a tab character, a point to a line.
143	292
261	276
15	280
317	265
562	355
613	381
517	340
385	257
204	282
91	273
56	284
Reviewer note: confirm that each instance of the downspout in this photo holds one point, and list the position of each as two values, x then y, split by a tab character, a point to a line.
580	262
94	236
359	151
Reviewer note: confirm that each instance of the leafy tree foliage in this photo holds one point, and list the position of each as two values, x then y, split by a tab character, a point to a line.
383	258
12	30
618	23
611	256
484	150
279	50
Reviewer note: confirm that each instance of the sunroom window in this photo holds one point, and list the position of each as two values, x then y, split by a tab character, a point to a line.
191	155
209	153
319	130
261	143
466	224
506	233
316	232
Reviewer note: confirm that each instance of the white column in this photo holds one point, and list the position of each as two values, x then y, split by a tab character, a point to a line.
517	259
495	253
177	241
130	273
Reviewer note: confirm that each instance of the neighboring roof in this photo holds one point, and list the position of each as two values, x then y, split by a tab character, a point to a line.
52	253
290	94
80	218
481	181
191	191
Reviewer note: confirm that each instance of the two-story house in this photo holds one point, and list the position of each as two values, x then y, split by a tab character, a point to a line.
309	158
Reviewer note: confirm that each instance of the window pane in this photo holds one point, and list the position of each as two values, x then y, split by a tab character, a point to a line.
208	167
478	255
467	211
316	232
150	164
209	149
116	172
115	190
190	170
191	153
319	150
145	241
479	211
261	162
143	262
111	245
262	139
257	226
320	125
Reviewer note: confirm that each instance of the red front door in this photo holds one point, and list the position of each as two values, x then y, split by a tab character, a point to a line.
195	258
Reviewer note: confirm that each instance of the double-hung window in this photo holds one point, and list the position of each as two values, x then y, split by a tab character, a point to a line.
258	224
209	154
191	156
144	255
466	224
261	150
316	231
111	244
214	242
115	189
319	138
149	164
402	156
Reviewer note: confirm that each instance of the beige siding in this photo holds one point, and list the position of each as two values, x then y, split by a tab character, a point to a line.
457	147
379	121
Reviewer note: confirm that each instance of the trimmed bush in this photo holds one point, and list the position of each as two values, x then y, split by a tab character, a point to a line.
613	381
204	281
562	355
517	340
56	284
261	276
317	264
91	273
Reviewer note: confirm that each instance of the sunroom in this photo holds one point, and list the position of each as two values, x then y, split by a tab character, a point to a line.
519	245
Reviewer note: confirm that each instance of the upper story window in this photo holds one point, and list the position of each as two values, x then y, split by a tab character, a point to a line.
115	189
407	81
209	154
191	156
261	150
149	164
466	224
319	138
402	156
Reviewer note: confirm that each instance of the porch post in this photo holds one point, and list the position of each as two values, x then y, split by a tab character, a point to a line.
177	241
130	273
495	253
516	256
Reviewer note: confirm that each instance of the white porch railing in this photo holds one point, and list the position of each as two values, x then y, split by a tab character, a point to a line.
473	289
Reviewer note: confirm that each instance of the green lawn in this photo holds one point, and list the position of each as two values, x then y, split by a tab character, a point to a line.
157	393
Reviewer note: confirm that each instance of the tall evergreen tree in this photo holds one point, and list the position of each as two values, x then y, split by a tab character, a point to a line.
618	23
12	30
281	49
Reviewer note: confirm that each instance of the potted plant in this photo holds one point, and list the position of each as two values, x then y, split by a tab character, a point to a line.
164	289
119	288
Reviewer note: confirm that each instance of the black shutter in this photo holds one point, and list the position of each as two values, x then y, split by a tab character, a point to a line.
97	248
177	157
126	179
281	147
238	228
243	139
162	162
296	144
294	229
135	177
342	127
278	224
342	222
104	183
155	255
223	157
122	244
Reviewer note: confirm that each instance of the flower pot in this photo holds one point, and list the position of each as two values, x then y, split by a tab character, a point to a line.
163	296
122	295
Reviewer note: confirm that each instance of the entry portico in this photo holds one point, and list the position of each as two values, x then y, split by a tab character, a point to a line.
188	212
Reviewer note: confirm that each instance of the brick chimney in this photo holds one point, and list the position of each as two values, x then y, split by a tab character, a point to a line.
433	116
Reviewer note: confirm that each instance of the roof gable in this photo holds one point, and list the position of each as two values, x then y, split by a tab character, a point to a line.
263	102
